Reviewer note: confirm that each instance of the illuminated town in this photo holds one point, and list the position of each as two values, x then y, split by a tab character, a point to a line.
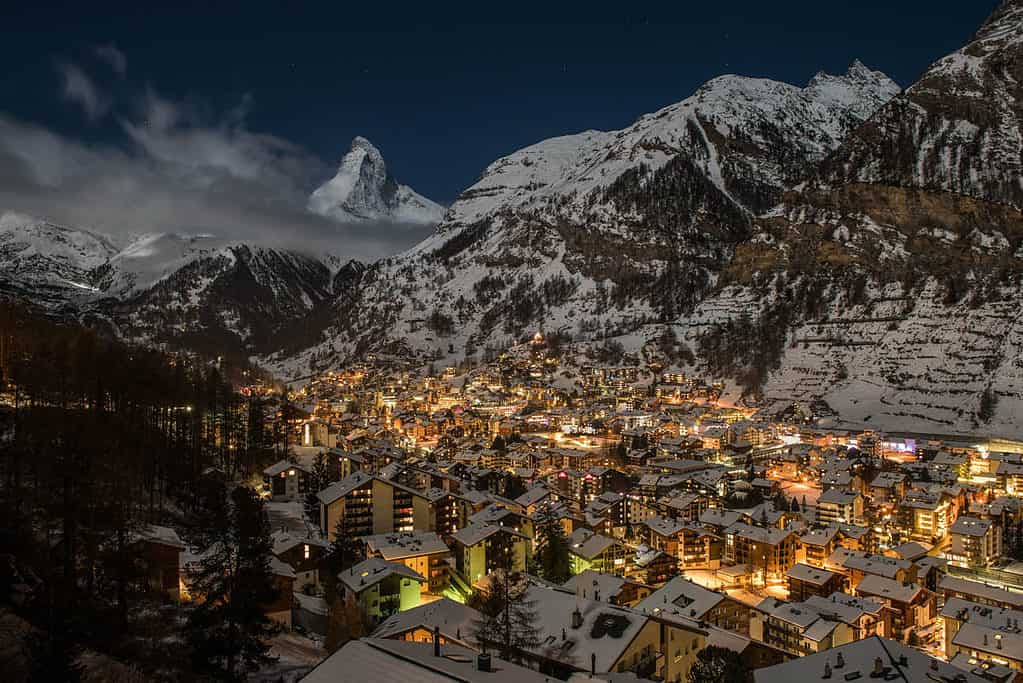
692	521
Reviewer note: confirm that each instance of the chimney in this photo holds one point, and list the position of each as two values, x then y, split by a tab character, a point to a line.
436	641
878	668
483	662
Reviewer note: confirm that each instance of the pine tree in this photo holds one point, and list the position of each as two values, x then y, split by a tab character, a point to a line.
552	561
228	630
344	552
508	619
345	622
319	479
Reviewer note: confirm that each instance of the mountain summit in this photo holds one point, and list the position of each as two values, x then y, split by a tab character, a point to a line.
363	190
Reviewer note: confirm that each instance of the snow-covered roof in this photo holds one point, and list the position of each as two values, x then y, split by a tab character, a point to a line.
860	657
454	619
398	546
373	571
808	574
970	526
883	587
383	660
587	544
681	597
344	487
993	593
163	535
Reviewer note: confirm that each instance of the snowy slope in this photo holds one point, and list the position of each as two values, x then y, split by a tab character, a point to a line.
603	230
958	129
51	263
198	292
363	190
741	131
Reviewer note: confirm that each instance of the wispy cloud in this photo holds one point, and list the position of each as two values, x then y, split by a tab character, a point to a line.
179	168
78	87
113	57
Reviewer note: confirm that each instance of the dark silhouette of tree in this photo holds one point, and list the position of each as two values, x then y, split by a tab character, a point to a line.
552	559
719	665
319	479
507	621
228	630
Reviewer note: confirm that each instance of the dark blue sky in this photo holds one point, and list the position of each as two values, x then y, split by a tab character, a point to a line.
444	89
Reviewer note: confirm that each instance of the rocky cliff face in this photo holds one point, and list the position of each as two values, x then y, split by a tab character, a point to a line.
364	190
957	129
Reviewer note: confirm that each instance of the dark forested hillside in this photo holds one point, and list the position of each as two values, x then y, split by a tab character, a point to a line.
99	440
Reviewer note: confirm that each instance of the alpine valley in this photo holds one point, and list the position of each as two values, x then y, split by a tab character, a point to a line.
846	246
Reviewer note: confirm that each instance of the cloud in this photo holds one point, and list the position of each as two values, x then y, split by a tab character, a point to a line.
179	171
78	87
113	57
179	167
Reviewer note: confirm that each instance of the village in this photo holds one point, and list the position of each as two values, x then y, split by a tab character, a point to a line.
686	523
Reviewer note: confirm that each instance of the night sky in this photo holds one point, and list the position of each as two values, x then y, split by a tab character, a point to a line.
443	89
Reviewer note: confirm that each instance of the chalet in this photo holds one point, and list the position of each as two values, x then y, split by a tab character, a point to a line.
450	621
769	551
590	551
381	588
836	506
481	549
421	551
158	550
805	581
874	657
974	542
683	599
614	590
280	608
303	554
989	634
913	607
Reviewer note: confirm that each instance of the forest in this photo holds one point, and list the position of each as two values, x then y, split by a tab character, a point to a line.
99	440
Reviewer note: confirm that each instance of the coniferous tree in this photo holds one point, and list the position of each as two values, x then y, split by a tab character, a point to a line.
318	480
508	618
552	560
342	553
228	630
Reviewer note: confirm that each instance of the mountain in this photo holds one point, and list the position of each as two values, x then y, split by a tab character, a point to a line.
363	190
195	292
49	263
896	271
601	231
846	247
958	128
212	295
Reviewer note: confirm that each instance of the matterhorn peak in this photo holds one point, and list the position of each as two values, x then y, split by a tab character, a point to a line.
363	190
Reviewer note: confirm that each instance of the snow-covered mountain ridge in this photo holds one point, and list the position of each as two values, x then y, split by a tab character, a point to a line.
841	242
602	229
200	292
